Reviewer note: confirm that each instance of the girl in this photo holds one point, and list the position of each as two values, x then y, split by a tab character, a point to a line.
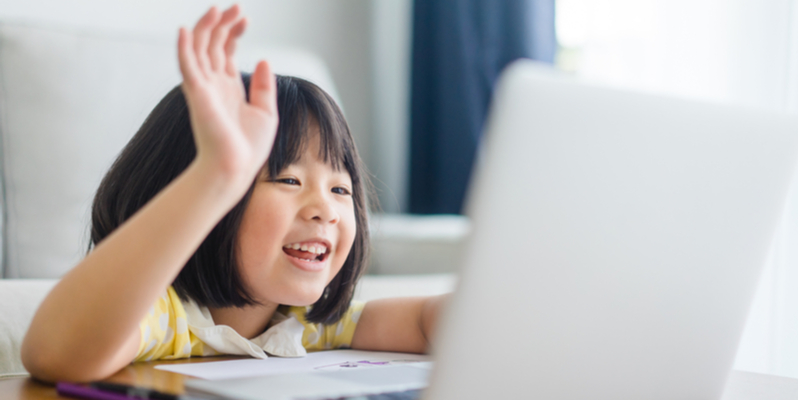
204	245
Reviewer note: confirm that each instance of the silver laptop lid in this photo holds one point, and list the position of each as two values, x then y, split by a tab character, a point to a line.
617	241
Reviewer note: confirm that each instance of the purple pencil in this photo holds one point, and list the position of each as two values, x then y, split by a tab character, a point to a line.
86	392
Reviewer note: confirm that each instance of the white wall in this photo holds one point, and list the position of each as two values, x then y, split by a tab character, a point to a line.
391	73
338	31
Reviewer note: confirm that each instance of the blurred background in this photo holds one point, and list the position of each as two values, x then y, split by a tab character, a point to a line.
415	80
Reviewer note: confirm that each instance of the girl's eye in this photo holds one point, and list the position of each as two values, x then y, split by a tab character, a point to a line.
341	190
288	181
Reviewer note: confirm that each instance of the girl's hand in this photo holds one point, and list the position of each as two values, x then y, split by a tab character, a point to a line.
405	324
232	136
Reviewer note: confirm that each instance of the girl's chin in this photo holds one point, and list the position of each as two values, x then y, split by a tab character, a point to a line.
302	296
307	265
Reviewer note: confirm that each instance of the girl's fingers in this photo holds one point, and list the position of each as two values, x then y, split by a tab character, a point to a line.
186	57
230	46
202	34
219	36
262	88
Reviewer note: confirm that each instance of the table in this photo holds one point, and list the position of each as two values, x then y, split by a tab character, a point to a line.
139	374
741	385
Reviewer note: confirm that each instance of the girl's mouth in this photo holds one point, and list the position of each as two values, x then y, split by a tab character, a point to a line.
310	252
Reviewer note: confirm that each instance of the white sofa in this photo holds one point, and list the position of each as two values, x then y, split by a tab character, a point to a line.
69	102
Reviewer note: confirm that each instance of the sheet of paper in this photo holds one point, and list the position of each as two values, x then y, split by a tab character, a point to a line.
318	361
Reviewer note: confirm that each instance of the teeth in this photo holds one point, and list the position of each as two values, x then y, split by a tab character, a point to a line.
311	249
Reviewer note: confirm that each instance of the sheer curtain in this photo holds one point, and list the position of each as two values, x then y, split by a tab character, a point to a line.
734	51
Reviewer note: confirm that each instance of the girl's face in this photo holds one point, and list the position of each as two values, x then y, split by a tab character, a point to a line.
297	230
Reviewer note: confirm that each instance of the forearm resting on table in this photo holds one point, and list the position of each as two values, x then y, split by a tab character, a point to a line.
406	324
87	326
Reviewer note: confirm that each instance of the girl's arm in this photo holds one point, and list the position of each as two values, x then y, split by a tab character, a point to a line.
405	324
88	326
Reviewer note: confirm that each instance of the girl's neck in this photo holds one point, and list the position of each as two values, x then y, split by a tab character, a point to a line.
248	321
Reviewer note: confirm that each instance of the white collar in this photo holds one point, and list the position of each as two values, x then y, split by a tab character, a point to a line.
284	338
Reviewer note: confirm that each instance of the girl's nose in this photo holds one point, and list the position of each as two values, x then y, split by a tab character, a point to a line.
319	207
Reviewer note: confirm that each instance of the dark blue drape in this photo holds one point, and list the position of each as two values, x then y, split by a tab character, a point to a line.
459	49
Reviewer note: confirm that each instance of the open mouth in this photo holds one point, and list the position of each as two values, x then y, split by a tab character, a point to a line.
316	252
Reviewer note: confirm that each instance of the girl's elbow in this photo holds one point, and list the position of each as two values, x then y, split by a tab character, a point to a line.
48	365
50	370
41	364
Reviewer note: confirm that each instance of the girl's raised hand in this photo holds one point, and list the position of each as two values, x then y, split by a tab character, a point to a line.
232	136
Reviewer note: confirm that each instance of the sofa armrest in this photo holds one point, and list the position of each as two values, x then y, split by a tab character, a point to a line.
19	299
381	286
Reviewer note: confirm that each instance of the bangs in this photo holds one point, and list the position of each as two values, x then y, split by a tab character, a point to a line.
301	104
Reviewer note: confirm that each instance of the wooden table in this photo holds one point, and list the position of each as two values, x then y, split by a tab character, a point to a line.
741	385
138	374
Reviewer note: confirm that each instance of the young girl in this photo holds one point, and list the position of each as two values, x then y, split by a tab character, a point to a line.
205	245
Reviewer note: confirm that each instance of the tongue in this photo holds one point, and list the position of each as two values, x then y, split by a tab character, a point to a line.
306	255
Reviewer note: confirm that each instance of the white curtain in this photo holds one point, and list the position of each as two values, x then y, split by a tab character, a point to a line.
735	51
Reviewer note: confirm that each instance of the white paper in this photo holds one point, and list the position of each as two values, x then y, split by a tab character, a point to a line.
329	360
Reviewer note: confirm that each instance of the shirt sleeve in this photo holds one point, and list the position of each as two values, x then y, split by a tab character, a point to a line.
164	331
325	337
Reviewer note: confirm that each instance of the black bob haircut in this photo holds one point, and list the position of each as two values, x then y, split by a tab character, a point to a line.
164	147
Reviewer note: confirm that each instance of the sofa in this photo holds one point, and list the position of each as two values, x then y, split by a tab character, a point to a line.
70	100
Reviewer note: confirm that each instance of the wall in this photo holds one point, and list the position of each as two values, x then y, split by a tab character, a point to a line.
338	31
391	69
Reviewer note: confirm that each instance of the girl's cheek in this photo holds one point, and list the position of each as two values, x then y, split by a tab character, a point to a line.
348	237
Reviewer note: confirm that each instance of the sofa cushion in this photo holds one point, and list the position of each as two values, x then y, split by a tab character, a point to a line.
19	299
69	101
417	244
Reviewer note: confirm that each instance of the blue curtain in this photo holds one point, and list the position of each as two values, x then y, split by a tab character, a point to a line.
459	49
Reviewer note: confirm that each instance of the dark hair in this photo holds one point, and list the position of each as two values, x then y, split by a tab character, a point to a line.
164	147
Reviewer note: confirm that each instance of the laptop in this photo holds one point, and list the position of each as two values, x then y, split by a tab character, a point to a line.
617	240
